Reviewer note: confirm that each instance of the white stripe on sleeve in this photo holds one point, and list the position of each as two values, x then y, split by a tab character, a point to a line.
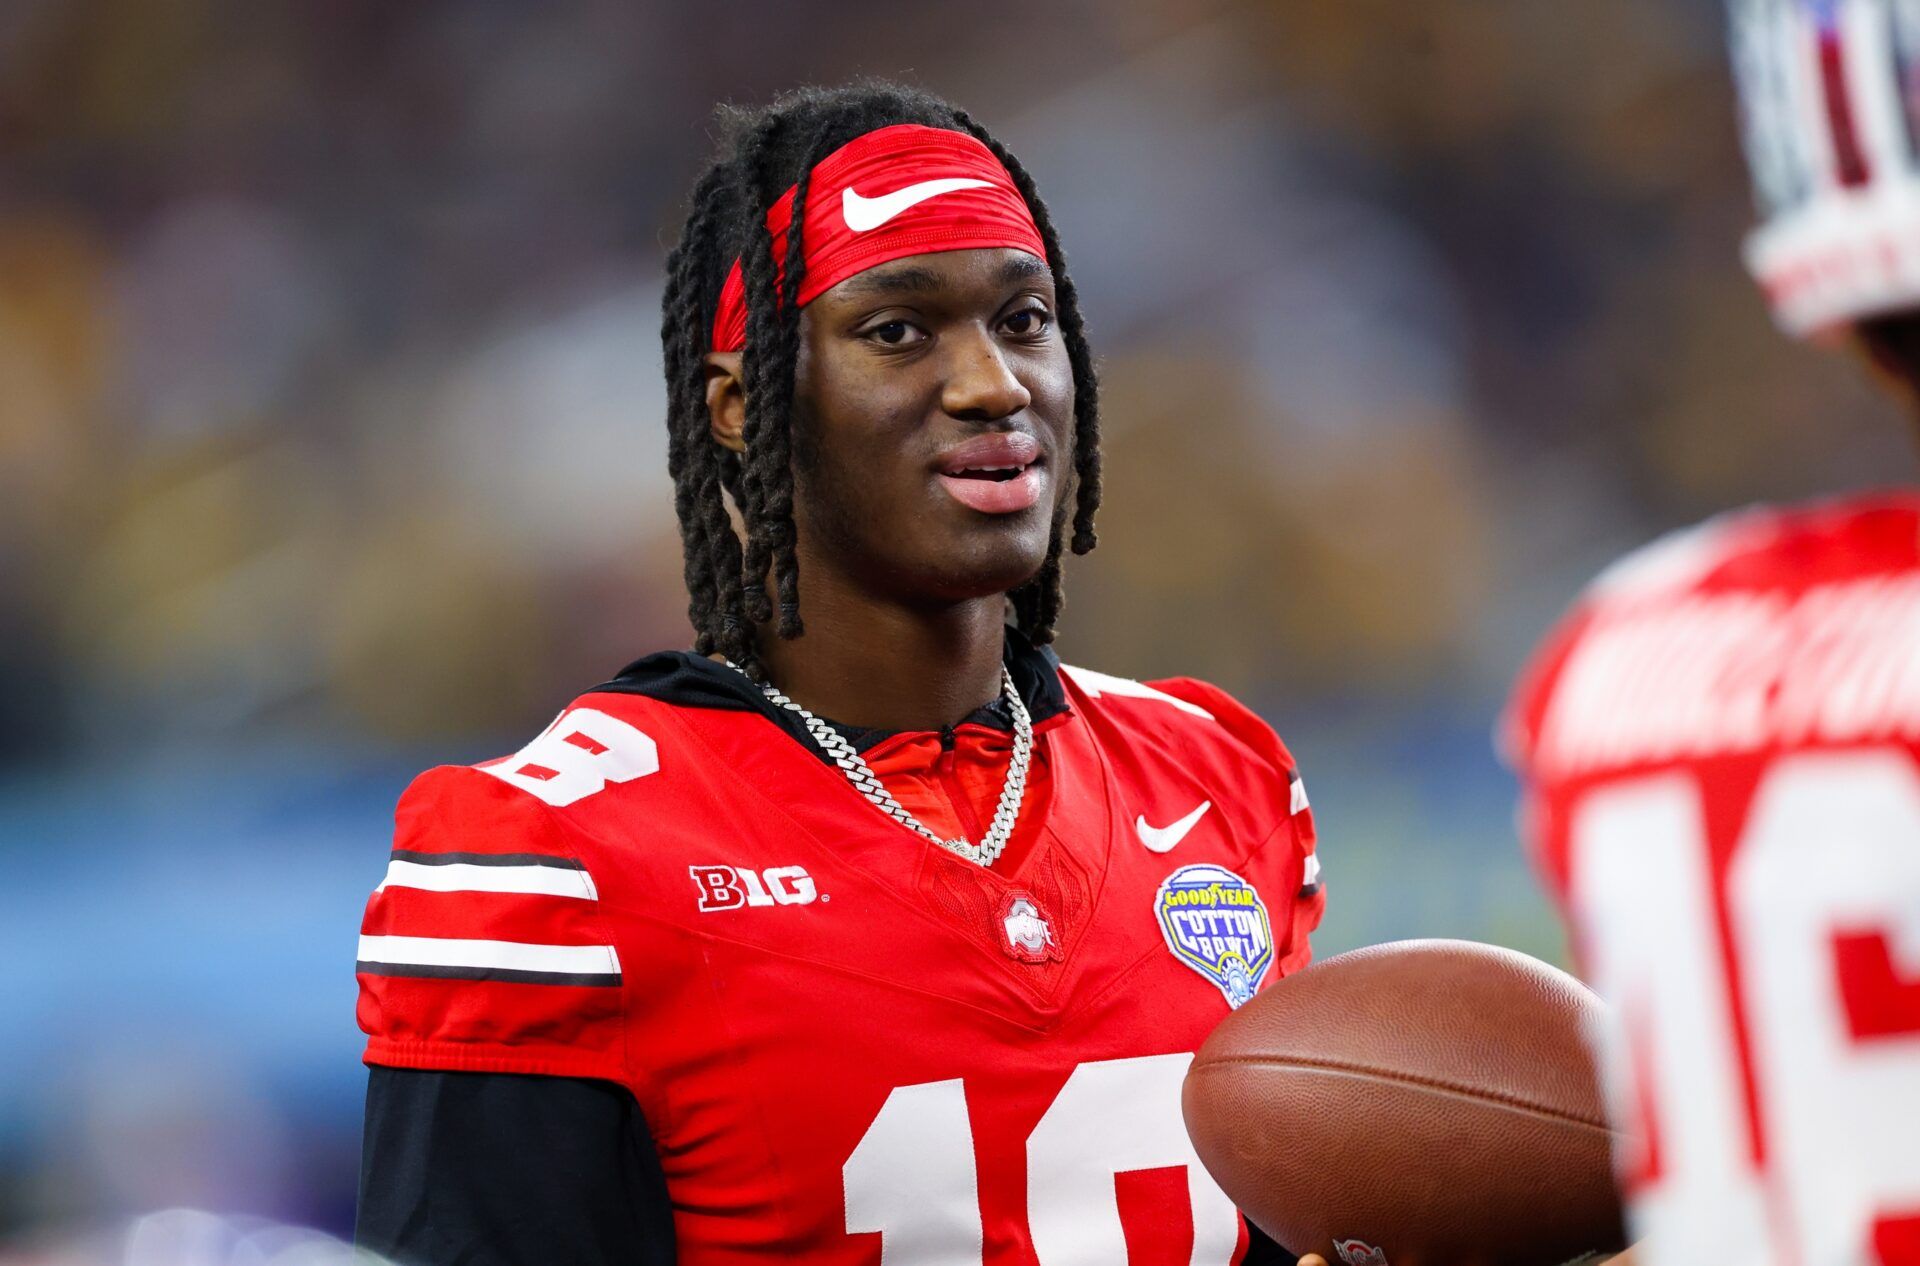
552	881
441	951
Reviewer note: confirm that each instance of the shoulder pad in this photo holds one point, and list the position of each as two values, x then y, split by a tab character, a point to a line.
482	947
1098	684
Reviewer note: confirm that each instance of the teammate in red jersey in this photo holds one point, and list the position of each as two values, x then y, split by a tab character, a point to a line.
701	975
1719	744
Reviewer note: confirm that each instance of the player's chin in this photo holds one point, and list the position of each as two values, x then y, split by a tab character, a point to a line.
981	559
967	552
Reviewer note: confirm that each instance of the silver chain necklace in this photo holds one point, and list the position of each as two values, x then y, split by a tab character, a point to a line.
855	767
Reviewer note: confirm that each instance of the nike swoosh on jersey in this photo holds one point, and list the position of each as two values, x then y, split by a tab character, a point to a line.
866	214
1161	839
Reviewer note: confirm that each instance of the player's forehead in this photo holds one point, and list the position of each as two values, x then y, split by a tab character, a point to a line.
987	272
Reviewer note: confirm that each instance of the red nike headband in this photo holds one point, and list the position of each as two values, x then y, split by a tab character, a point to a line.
898	191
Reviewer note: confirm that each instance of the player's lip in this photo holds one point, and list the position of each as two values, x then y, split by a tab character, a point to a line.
996	451
1001	473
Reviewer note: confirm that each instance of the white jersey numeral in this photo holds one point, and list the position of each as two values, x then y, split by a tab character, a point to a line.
1643	885
1822	959
1113	1117
577	756
1826	905
913	1178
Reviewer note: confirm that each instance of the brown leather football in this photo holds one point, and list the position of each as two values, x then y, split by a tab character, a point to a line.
1424	1103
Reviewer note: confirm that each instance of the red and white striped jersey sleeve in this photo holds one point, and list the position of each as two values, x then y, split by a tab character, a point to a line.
483	949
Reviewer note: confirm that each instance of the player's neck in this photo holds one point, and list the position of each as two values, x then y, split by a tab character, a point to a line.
1894	361
881	665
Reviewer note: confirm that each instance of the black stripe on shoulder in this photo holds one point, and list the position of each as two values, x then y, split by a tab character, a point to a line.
486	859
508	975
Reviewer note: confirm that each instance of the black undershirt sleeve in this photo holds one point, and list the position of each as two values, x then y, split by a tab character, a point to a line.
500	1169
1262	1251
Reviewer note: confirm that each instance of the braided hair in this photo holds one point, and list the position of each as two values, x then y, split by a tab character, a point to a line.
767	151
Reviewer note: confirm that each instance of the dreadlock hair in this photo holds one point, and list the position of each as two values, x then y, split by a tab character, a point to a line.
765	152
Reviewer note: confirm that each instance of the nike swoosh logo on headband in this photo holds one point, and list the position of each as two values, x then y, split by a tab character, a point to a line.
865	214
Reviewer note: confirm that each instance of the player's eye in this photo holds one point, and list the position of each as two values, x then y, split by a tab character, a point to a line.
895	333
1030	322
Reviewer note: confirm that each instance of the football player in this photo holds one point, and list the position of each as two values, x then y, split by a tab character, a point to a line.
863	931
1718	745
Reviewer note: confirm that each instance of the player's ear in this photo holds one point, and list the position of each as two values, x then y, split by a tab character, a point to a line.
726	399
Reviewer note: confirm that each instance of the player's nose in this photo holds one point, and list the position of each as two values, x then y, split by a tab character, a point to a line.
980	386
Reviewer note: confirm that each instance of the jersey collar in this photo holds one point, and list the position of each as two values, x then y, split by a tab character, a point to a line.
687	680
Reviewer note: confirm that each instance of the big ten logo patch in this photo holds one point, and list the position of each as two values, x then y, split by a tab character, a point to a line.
731	887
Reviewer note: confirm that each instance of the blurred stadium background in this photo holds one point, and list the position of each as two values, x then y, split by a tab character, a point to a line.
330	448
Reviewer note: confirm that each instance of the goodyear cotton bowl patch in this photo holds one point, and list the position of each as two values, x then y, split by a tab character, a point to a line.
1216	924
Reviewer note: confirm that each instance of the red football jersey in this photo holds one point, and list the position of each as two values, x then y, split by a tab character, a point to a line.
851	1045
1718	749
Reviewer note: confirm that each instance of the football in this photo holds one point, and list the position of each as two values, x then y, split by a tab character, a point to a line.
1422	1103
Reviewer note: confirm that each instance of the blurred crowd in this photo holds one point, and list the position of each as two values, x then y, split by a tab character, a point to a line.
331	447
